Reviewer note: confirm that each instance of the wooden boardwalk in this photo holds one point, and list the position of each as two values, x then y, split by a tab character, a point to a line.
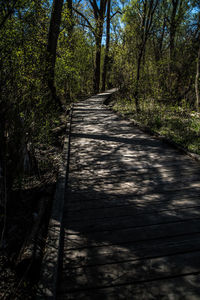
132	213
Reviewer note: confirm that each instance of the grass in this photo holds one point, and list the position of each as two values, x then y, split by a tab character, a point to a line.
175	122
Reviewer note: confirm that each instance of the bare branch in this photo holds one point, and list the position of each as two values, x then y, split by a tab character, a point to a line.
85	25
86	19
117	12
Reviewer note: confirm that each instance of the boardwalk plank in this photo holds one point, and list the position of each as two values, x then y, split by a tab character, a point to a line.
86	201
132	271
128	210
135	220
131	251
77	239
178	288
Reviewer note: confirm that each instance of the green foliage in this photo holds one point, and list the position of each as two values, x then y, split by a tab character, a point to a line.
161	76
74	70
27	112
23	93
169	120
166	85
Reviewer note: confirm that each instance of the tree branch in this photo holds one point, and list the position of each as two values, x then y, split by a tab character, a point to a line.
117	12
103	7
95	8
84	17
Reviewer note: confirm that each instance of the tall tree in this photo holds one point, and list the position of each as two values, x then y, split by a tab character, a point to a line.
54	30
197	77
174	20
148	8
106	58
98	15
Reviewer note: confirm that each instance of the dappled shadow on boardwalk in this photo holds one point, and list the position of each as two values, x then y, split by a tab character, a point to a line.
132	214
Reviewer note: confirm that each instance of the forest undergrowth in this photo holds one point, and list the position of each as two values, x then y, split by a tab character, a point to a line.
31	191
176	121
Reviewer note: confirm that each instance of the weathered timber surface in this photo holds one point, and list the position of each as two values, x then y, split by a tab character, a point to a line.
131	225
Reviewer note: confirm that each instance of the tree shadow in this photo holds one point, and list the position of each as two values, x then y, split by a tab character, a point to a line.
132	214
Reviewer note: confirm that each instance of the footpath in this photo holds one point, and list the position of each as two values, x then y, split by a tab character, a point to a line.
131	220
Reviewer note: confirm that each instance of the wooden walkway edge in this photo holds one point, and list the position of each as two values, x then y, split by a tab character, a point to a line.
47	285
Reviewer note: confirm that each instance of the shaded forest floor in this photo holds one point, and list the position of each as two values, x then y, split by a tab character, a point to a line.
23	204
175	122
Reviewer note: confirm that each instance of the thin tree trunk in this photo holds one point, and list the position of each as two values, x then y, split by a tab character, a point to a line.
148	13
106	59
99	14
137	104
173	26
197	82
70	46
99	9
53	35
97	70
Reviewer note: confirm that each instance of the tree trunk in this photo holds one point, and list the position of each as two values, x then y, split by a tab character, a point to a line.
146	24
53	35
197	82
172	31
99	14
97	70
137	104
106	59
99	9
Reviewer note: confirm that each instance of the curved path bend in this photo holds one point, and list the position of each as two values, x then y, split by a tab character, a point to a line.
132	213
